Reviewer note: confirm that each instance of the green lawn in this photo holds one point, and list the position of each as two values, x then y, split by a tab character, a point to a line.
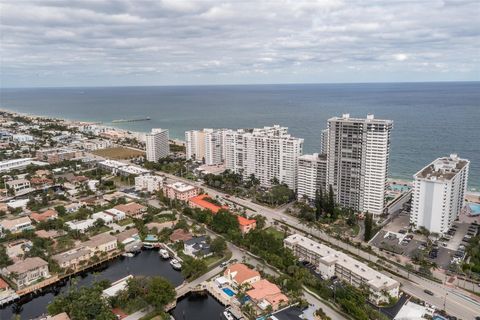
278	234
124	222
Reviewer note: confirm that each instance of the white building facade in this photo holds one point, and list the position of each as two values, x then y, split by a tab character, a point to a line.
358	152
268	153
195	145
312	172
157	144
205	145
439	194
148	183
330	262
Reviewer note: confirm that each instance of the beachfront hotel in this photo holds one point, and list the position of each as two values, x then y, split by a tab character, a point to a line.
268	153
330	262
312	169
439	194
358	151
157	144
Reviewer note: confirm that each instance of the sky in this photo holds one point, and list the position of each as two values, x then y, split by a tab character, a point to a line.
47	43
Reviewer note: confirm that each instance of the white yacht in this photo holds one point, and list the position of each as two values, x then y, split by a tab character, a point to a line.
228	315
176	264
164	254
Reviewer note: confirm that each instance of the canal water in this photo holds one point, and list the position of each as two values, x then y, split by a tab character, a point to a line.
198	308
146	263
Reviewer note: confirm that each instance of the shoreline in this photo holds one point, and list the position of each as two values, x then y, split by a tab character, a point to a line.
474	190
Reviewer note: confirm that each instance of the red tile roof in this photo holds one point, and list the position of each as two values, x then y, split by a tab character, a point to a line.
3	284
201	202
241	273
38	217
245	222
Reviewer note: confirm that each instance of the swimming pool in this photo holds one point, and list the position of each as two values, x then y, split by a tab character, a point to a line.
398	187
475	208
229	292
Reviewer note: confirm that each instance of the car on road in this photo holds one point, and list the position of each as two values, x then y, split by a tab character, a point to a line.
428	292
224	264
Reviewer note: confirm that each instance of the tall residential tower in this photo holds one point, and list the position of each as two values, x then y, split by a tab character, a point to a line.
357	161
268	153
439	193
157	144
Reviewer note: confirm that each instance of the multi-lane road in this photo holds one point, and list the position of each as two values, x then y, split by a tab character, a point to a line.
454	300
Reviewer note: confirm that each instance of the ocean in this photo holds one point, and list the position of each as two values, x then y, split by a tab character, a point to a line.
430	119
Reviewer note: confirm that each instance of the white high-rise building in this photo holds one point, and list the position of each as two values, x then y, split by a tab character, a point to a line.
312	174
324	141
205	145
213	146
358	153
157	144
195	145
268	153
439	194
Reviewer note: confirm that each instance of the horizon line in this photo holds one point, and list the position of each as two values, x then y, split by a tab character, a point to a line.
242	84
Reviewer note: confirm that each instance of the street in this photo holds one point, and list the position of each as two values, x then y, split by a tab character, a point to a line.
459	302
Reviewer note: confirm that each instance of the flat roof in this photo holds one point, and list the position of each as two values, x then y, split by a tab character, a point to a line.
445	168
329	255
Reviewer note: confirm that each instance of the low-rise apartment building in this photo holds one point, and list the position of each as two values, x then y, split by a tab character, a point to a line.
330	262
26	272
55	155
148	183
180	191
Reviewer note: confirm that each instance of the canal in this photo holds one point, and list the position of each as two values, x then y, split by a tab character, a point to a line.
146	263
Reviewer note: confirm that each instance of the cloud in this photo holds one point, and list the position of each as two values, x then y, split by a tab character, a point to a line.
208	41
400	57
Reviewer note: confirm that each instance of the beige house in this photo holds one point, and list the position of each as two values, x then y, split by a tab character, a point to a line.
16	225
73	258
103	242
28	271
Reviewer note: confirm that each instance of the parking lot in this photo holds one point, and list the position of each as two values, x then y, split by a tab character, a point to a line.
394	237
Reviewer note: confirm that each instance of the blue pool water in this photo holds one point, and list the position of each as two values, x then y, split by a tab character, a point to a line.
229	292
475	207
399	187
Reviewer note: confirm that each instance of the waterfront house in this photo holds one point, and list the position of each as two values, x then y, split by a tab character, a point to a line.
246	225
73	258
26	272
239	274
197	247
103	242
16	225
264	294
80	225
180	191
180	235
132	209
50	214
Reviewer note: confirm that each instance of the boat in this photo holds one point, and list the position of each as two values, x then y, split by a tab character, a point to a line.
164	254
131	120
128	254
228	315
175	264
